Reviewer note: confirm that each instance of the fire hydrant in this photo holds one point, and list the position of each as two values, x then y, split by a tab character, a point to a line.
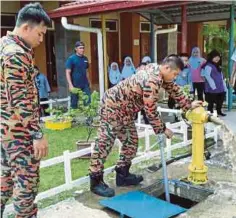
197	168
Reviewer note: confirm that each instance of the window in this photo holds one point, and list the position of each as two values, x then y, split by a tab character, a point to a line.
8	20
96	24
145	27
111	25
52	26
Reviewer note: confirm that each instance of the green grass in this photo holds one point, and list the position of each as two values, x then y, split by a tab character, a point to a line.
59	141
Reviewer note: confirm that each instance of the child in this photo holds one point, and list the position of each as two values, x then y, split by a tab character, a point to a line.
43	90
114	74
128	69
184	78
196	62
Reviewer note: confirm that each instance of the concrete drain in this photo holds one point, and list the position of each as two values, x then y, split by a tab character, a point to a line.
150	201
183	202
181	193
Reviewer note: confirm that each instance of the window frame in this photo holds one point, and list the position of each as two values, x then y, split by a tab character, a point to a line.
140	27
109	20
10	15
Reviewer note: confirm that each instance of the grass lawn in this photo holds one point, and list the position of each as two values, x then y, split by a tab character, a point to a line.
59	141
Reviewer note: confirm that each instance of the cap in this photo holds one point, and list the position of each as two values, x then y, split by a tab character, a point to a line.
79	43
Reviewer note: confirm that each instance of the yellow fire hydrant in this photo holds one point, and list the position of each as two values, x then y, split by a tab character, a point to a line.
197	168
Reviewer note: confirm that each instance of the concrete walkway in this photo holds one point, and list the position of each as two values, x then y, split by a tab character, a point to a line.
230	120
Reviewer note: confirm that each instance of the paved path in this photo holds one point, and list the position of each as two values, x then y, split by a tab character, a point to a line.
230	120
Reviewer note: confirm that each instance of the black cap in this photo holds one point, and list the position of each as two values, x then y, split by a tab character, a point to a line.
79	43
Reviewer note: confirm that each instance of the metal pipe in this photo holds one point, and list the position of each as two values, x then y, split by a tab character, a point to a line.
152	37
105	49
167	110
231	44
73	27
157	32
161	140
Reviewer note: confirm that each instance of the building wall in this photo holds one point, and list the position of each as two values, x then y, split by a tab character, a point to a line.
86	38
40	57
130	36
172	43
50	5
194	37
10	7
64	47
85	21
40	52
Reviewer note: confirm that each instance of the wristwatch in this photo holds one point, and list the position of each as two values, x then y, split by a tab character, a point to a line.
37	135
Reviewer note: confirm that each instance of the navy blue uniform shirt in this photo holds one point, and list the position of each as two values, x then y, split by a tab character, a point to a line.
78	66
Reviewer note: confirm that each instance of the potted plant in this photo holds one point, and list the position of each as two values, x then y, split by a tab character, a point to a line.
59	120
89	111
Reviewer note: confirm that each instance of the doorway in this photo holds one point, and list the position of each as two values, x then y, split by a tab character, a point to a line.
112	40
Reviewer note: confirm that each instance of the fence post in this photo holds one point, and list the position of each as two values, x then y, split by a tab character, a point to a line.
184	128
139	117
50	106
68	105
67	167
147	139
168	144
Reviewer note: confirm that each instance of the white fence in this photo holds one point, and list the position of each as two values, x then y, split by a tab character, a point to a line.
52	102
144	131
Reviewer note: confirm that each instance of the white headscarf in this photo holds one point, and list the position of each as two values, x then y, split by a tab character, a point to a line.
127	71
146	59
114	75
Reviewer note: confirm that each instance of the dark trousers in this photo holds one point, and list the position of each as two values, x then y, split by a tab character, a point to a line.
215	98
75	99
200	90
44	107
171	103
235	87
144	117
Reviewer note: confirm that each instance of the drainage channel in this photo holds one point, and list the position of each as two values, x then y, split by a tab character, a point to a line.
181	193
151	201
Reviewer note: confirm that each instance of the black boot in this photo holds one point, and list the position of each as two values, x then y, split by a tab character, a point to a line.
221	114
99	187
124	178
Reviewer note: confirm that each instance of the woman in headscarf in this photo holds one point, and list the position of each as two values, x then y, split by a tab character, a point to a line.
146	60
128	68
114	74
195	63
215	87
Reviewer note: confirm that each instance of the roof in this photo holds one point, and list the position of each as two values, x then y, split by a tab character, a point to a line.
164	11
196	12
88	7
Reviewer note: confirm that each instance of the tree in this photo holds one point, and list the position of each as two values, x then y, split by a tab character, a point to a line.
86	109
217	37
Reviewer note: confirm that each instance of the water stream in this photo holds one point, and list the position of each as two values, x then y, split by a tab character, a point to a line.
225	154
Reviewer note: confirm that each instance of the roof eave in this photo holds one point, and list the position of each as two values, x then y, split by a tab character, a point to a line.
108	7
